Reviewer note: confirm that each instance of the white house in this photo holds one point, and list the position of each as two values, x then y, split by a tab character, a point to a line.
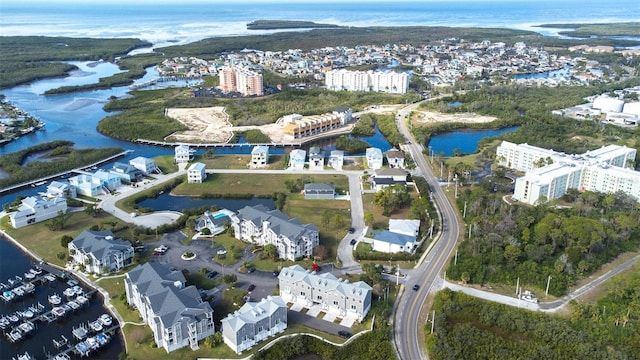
36	209
215	221
374	158
262	226
57	188
254	322
336	159
183	154
392	242
297	158
87	185
395	158
176	314
316	158
146	165
99	252
388	177
196	173
259	156
405	226
108	180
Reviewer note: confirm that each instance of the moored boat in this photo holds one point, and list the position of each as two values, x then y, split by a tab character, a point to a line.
55	299
106	319
58	311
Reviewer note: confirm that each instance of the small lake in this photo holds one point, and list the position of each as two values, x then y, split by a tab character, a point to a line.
465	140
179	203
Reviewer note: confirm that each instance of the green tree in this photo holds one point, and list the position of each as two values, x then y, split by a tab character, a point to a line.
271	251
512	254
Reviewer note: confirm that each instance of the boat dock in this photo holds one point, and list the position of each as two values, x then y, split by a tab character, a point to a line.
84	347
43	180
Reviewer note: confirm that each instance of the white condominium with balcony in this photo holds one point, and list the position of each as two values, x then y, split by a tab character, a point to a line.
378	81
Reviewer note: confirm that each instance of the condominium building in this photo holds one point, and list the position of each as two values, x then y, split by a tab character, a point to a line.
242	80
98	252
337	296
377	81
36	209
175	313
550	174
262	226
254	322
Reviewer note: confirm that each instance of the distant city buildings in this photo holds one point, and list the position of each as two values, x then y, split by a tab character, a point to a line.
242	80
550	174
376	81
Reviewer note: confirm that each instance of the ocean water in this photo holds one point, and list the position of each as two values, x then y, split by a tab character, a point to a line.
163	22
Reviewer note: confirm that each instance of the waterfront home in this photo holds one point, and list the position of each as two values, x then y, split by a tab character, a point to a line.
254	322
145	165
373	157
297	159
87	185
337	296
176	313
57	188
214	221
319	191
99	252
259	156
388	177
316	158
36	209
126	172
109	181
261	226
183	154
196	173
405	226
336	159
395	158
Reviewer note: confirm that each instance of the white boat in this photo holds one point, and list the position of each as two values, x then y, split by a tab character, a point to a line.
26	327
92	343
15	335
18	291
25	356
81	300
73	305
78	290
50	277
8	295
58	311
69	291
62	356
55	299
29	275
36	270
96	326
28	314
29	287
106	319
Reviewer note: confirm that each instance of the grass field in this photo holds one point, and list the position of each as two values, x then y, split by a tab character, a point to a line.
276	162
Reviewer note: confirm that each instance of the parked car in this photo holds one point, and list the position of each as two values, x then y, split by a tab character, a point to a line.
251	287
345	334
352	242
212	274
251	269
416	287
276	272
351	230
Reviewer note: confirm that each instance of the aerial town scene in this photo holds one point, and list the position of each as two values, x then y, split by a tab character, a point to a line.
319	180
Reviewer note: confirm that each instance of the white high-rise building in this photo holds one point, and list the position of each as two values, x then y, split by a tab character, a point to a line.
550	174
378	81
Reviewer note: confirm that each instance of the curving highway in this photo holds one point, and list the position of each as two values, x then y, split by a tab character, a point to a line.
407	319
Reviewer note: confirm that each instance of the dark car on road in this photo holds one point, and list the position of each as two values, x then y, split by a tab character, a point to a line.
352	242
345	334
416	287
212	274
251	269
352	230
251	287
276	272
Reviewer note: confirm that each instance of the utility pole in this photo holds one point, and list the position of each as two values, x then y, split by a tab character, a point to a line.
455	259
464	212
546	292
470	226
517	285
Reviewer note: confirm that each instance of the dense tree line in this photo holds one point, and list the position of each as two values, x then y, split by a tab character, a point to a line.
504	242
351	145
387	126
470	328
364	126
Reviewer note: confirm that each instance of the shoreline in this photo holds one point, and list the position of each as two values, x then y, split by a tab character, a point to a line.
87	282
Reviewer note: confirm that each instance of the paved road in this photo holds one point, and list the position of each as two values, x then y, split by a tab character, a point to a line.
408	307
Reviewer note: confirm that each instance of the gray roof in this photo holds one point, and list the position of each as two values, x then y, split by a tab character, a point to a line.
253	312
171	302
99	243
394	238
326	281
279	222
320	188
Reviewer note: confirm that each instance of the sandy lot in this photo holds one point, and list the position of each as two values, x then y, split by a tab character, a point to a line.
210	125
430	117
